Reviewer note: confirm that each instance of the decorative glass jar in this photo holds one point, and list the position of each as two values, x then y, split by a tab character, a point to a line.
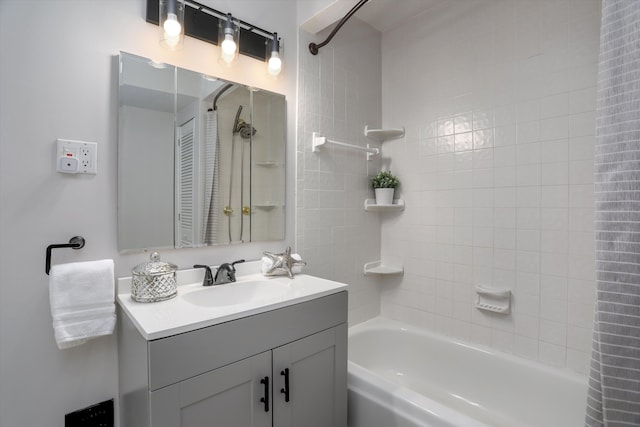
154	280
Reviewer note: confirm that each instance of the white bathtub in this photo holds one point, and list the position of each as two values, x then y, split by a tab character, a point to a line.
400	376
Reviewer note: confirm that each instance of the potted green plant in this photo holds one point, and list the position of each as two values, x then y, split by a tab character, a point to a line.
384	184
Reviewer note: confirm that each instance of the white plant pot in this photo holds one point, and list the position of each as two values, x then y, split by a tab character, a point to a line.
384	196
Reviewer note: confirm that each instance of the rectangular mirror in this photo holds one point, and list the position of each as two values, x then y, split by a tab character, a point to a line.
201	160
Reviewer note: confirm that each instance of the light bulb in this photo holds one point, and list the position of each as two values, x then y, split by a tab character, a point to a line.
274	65
228	45
228	48
172	27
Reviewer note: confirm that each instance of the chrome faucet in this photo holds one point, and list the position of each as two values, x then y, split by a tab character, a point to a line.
226	273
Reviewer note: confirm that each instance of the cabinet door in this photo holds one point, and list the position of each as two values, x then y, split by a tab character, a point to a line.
317	381
226	397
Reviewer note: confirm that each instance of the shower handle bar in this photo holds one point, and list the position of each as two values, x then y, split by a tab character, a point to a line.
318	141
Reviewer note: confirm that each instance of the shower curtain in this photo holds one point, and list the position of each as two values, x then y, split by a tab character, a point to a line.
614	384
212	178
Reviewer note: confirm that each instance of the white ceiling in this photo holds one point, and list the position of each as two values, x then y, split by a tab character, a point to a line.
383	15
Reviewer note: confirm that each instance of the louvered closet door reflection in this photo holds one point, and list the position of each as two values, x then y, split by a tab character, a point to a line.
185	165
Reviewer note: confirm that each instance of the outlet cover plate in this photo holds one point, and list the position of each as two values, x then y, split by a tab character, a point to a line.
76	156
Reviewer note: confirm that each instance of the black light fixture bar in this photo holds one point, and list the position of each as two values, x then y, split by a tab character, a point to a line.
201	22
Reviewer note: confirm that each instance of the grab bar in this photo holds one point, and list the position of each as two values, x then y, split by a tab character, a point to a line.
319	140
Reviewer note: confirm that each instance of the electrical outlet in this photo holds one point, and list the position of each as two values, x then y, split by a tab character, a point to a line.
77	156
86	156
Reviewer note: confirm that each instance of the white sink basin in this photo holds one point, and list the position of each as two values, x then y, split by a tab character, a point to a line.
198	306
238	293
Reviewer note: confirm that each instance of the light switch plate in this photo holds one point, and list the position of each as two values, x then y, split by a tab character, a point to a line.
76	156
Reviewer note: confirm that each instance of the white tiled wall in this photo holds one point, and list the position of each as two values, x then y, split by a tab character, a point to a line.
339	93
498	100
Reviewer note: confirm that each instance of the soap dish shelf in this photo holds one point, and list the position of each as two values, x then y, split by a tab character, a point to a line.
371	206
267	164
378	267
382	135
492	299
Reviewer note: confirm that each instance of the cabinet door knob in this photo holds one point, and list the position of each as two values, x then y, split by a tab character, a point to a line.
265	399
285	390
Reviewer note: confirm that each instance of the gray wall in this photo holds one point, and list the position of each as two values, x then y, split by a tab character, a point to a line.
58	79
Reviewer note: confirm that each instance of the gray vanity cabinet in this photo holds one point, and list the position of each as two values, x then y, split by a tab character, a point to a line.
316	367
228	396
216	376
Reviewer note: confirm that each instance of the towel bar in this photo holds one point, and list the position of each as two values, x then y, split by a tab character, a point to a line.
318	141
76	242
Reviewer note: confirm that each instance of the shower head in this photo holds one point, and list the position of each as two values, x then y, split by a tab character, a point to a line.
245	129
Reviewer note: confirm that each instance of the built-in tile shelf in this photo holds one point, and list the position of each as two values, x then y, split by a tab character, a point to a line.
382	135
371	206
379	267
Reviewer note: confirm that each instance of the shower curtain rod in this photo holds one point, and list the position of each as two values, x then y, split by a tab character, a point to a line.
214	106
313	47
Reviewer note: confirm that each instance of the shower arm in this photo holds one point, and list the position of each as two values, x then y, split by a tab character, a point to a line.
313	47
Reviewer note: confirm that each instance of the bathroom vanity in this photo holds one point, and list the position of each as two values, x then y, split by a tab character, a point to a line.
258	352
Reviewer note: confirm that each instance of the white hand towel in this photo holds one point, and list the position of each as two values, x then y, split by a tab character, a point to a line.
82	301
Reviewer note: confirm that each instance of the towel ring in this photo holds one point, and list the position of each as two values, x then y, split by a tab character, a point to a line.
76	242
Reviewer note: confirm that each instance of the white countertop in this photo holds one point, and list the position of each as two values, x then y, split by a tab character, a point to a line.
197	306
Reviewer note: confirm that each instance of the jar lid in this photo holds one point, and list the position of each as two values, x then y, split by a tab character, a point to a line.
153	267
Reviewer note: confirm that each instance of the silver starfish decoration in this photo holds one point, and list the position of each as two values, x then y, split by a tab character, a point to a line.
283	262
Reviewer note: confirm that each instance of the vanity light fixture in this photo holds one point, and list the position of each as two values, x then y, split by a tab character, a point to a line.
209	25
274	60
228	38
171	24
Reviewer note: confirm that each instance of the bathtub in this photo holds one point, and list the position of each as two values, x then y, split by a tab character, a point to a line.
401	376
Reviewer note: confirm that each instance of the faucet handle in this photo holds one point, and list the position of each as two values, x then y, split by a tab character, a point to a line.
232	269
226	273
208	276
